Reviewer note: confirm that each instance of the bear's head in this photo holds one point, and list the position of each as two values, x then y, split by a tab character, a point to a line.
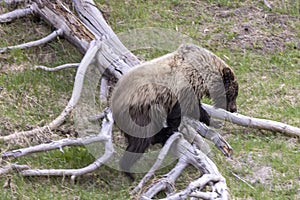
231	89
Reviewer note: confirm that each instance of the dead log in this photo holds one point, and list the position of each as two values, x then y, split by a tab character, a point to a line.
252	122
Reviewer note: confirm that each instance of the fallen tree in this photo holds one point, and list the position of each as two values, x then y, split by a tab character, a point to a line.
103	51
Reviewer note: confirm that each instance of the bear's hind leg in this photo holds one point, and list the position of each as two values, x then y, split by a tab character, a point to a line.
134	151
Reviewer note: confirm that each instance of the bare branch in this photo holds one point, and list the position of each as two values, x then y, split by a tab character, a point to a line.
167	181
53	145
7	169
65	66
36	43
103	90
197	185
11	2
189	154
78	84
204	195
18	13
100	116
157	164
244	181
268	4
200	161
19	136
252	122
105	136
206	132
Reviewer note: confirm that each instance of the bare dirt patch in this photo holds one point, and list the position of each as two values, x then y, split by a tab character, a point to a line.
249	27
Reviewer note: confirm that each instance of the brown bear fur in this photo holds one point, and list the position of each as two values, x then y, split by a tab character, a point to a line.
149	101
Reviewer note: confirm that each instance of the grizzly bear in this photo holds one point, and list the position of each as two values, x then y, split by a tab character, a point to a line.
150	100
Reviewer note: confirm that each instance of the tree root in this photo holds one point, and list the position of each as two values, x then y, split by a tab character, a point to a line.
20	136
200	161
189	154
76	32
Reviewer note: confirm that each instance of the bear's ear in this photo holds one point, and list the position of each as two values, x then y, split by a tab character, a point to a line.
228	74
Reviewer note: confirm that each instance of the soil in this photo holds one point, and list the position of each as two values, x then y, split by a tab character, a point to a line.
250	27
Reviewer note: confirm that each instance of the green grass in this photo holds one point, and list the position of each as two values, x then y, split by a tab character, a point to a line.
262	47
